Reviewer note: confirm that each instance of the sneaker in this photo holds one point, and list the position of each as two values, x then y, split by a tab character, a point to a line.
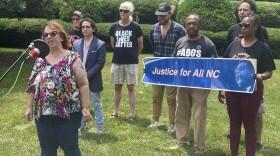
227	137
153	124
132	118
99	132
114	116
179	145
171	128
199	151
259	147
83	130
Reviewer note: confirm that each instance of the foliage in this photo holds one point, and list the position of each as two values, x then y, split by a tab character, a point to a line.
26	30
41	9
269	13
20	32
215	15
107	11
123	137
29	8
11	8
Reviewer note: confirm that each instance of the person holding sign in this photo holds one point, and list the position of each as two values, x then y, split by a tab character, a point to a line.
243	107
163	37
126	39
192	45
234	33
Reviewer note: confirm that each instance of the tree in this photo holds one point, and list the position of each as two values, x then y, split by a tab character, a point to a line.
216	15
11	8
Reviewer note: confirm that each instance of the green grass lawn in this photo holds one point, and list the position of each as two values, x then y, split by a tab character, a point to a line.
122	136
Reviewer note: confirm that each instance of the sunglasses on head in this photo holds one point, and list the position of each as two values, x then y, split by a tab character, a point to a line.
75	19
52	34
246	26
124	11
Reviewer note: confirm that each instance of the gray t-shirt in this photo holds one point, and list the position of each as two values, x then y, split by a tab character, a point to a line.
202	47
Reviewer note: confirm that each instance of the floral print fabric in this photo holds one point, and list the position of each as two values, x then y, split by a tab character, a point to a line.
55	87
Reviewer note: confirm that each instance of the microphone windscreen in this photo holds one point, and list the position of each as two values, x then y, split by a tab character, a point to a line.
42	46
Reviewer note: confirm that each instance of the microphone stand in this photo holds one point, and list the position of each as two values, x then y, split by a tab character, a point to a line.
22	55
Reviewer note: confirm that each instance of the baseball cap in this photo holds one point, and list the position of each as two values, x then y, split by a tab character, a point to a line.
163	9
78	13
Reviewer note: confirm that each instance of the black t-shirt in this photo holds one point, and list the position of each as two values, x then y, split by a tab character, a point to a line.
202	47
259	50
126	44
234	33
73	32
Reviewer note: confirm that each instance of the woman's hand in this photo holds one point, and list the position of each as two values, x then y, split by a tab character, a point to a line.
222	97
29	114
86	114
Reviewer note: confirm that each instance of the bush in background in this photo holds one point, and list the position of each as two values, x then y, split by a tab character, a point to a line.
108	11
269	13
19	33
29	9
215	15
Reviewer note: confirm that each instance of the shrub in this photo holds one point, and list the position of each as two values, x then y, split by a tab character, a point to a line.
107	11
19	33
215	15
269	13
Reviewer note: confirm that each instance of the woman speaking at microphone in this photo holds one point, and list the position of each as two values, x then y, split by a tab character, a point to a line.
58	94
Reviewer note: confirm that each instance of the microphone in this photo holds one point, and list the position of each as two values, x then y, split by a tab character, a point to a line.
38	48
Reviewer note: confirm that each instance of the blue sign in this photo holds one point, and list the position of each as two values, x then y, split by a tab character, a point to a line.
207	73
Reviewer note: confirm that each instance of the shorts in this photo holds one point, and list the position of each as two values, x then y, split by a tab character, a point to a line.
262	107
127	72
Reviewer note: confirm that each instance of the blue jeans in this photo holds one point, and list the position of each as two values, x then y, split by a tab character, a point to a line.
54	131
98	111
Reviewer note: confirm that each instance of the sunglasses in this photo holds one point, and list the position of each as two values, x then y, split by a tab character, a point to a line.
246	26
75	19
124	11
52	34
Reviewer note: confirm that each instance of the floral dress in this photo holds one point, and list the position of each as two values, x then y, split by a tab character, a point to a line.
55	87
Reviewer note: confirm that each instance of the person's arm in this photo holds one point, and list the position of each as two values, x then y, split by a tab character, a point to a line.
264	76
222	97
152	37
140	44
29	111
83	86
265	35
112	41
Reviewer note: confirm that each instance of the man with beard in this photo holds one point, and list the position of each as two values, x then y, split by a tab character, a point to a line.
163	36
192	99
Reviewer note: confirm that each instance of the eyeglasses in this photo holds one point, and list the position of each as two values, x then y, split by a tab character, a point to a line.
124	11
246	26
83	27
75	19
52	34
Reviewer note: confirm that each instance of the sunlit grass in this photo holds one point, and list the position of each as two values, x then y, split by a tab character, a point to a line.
123	137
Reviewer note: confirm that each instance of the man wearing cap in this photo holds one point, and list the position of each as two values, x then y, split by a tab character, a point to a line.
75	32
163	36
